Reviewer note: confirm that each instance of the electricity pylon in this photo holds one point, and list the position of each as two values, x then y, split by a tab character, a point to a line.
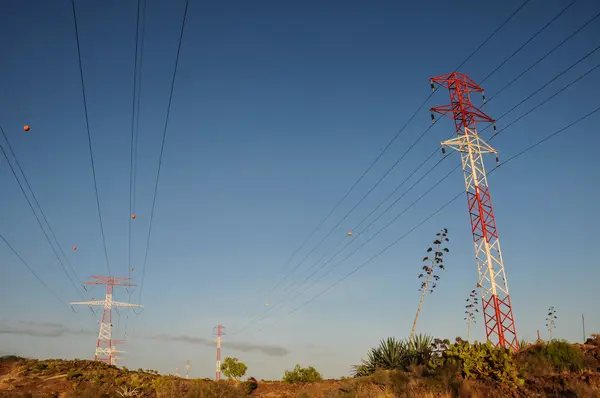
218	331
104	346
497	308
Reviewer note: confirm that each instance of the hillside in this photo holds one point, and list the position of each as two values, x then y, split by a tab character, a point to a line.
555	369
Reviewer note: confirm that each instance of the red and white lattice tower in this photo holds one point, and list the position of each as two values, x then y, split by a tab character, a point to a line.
497	309
104	346
218	331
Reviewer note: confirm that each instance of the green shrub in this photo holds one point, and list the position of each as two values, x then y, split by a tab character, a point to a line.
40	366
74	374
480	361
302	375
562	355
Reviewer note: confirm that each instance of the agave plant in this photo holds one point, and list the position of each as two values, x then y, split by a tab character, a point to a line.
394	354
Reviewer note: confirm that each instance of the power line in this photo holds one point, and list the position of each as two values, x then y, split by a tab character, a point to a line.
386	148
545	55
363	198
545	85
379	205
376	219
348	193
492	35
39	207
529	148
359	247
552	96
37	217
32	271
529	40
134	130
162	147
508	126
440	209
87	125
378	254
135	113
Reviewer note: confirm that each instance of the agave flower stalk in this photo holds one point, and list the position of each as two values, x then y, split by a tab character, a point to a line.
430	278
550	320
470	310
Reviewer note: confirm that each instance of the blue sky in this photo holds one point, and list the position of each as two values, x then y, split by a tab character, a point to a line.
278	108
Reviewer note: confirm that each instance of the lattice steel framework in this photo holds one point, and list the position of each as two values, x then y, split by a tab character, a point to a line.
218	331
114	358
497	308
105	349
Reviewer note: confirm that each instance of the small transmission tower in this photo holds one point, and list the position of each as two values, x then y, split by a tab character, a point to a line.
218	331
104	346
187	369
497	309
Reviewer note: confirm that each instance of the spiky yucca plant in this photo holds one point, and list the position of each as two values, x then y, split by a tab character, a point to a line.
394	354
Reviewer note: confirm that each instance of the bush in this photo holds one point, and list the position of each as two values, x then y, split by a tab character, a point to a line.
302	375
73	374
562	355
40	366
481	361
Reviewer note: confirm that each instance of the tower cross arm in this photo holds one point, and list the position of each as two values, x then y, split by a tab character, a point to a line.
462	143
121	304
94	302
449	80
451	111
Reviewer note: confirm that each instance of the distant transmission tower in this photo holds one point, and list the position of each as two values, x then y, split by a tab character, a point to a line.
177	372
187	369
218	331
104	346
497	309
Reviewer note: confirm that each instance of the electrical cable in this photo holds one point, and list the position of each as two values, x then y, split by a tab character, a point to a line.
492	35
89	136
162	148
440	209
369	225
132	160
10	148
33	272
377	207
348	193
385	149
545	85
378	157
529	40
527	113
551	97
135	114
545	55
362	198
529	148
37	218
508	126
359	247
